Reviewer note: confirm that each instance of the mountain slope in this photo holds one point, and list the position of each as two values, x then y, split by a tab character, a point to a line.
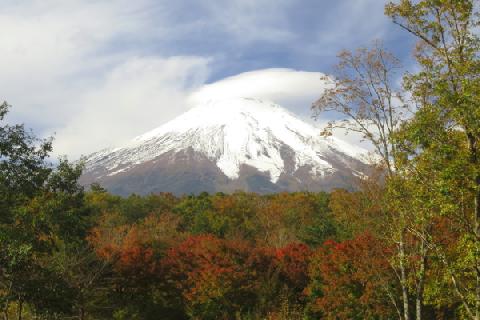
226	145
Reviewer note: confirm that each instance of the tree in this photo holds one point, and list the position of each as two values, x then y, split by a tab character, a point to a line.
42	210
23	173
445	132
285	218
363	92
353	280
211	277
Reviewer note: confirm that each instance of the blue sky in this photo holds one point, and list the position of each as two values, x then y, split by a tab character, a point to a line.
96	73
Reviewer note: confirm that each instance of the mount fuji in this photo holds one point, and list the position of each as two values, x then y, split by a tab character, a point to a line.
227	145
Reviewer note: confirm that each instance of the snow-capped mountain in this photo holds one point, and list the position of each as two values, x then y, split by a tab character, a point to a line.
223	145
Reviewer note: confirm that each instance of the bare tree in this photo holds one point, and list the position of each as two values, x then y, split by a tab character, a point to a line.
364	94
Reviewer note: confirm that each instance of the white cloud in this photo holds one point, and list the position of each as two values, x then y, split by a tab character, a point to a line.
53	50
136	96
293	89
66	69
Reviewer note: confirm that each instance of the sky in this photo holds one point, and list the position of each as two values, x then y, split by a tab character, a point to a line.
96	73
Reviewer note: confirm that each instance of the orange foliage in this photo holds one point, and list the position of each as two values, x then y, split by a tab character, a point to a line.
135	249
210	274
228	274
354	278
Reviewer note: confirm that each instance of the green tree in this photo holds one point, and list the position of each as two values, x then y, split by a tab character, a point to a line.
42	211
445	132
23	173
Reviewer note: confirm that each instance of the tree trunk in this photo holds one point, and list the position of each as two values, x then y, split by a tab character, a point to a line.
472	144
421	281
477	246
403	279
20	309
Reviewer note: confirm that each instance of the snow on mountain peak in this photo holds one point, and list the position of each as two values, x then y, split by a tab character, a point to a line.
232	133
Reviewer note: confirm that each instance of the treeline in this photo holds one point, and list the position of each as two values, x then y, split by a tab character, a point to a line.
67	253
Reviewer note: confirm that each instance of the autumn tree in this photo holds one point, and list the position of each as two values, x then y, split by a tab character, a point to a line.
362	89
353	280
364	93
285	218
445	131
210	275
131	254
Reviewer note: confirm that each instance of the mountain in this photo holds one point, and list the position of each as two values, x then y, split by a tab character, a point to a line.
227	145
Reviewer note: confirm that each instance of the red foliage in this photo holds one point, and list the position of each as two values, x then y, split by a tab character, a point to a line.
293	263
126	249
352	278
205	269
136	257
210	273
